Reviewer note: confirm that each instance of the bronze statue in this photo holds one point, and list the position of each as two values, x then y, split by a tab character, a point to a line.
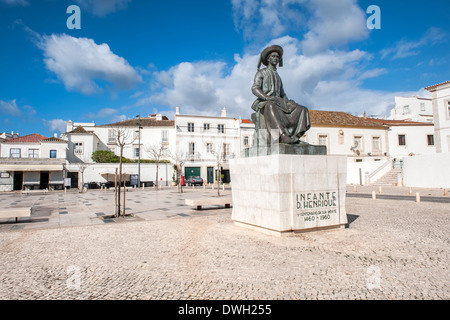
284	119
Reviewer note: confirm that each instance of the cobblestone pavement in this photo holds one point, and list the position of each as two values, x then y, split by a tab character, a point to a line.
392	249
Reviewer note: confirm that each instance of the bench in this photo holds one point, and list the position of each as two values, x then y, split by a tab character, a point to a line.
15	212
227	201
33	191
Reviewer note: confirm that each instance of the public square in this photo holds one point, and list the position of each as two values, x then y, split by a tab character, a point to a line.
393	248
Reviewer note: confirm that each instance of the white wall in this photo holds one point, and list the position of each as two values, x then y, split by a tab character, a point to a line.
416	140
367	168
414	105
441	99
427	171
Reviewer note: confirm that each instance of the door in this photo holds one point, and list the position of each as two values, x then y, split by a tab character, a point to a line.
191	171
210	175
43	181
74	179
18	180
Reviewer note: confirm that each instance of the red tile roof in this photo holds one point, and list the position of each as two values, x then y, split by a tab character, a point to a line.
31	138
436	85
340	119
401	122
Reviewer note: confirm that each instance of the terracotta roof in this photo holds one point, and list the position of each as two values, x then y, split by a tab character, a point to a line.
246	121
436	85
31	138
53	139
145	122
340	119
79	130
401	122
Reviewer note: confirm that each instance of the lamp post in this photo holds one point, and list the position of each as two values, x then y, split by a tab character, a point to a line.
139	154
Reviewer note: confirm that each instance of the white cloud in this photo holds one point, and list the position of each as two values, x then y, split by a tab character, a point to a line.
331	80
10	108
55	125
22	3
80	62
404	48
103	7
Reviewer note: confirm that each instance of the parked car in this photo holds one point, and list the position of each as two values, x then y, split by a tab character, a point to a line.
194	180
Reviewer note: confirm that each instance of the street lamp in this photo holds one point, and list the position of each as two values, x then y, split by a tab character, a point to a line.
139	154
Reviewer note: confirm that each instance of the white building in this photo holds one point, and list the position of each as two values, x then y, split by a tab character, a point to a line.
32	162
441	111
415	109
206	141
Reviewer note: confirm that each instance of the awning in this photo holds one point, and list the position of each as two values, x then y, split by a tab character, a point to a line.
29	167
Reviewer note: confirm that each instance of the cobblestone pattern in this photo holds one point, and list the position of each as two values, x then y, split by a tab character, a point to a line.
391	250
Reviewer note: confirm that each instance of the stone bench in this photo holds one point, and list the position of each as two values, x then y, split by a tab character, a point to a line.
15	212
33	191
199	203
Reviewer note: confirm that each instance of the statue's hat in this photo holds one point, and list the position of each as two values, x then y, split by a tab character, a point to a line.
267	51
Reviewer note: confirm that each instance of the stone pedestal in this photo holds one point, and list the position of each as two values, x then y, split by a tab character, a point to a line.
279	194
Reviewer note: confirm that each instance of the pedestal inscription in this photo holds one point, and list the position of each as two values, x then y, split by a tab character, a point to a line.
289	193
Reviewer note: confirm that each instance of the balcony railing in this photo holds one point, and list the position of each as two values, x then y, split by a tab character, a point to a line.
211	131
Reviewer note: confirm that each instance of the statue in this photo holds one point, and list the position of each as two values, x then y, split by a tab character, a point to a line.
283	119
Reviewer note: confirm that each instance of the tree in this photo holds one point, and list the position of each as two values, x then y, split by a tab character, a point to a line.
122	138
179	158
82	165
156	152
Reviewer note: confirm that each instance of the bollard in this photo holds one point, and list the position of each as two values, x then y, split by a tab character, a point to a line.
204	186
223	187
374	195
410	190
445	192
380	190
354	189
417	197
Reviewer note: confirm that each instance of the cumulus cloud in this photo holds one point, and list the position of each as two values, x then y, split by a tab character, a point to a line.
79	63
103	7
55	125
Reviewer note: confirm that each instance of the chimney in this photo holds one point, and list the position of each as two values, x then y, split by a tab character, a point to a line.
159	116
69	126
177	110
365	116
224	112
55	135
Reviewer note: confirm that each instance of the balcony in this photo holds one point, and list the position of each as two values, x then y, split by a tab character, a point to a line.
211	131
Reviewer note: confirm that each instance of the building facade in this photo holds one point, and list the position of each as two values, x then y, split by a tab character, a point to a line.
441	111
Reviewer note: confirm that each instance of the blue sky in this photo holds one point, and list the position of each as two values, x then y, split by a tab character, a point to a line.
136	56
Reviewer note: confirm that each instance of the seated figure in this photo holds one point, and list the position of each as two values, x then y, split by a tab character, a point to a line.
284	119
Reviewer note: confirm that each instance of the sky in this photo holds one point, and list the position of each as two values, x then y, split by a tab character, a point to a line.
133	57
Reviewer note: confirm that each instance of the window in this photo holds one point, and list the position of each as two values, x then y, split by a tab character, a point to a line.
358	143
406	109
246	139
206	126
136	152
221	128
422	106
33	153
165	136
323	140
448	109
111	136
78	147
430	140
137	134
225	150
209	147
191	148
52	154
341	137
401	140
14	153
190	127
376	145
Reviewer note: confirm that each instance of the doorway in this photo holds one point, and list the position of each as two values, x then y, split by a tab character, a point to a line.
44	179
210	175
18	180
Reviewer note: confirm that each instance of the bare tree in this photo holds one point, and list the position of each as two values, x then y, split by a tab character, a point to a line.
123	137
217	150
156	153
82	165
179	158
